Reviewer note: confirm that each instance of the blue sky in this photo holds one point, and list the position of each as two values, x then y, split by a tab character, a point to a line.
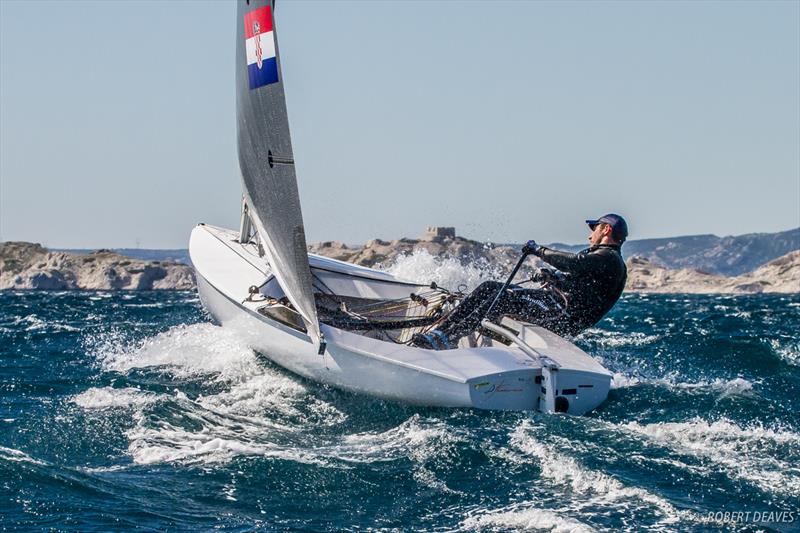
508	120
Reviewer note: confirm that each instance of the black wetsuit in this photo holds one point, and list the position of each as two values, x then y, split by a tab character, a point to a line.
594	282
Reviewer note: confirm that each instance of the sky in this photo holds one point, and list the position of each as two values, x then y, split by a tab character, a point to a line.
508	120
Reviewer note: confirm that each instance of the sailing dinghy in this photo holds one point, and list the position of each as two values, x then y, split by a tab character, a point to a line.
347	325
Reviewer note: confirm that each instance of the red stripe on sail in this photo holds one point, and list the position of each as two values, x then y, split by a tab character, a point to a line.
257	21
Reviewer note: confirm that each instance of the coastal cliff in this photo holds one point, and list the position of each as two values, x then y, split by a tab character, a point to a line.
781	275
26	265
383	253
31	266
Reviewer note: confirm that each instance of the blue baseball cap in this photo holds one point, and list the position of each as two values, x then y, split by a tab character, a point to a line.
618	225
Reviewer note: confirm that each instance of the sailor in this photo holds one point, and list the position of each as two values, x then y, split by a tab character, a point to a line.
586	288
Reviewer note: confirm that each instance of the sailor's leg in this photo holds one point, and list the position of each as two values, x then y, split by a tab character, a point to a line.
466	317
538	307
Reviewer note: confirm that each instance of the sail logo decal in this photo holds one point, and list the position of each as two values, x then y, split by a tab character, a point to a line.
259	46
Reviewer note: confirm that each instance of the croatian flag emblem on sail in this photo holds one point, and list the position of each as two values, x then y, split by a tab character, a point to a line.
259	45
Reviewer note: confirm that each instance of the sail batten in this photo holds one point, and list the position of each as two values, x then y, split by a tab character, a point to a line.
266	159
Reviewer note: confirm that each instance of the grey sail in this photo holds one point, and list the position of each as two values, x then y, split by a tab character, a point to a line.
265	156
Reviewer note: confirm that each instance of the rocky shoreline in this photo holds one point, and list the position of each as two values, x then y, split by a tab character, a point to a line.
25	265
781	275
31	266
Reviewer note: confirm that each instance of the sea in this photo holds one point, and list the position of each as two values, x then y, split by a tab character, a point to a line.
132	411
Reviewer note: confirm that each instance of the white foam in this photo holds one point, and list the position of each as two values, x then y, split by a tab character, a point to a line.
256	417
34	323
186	350
724	387
229	490
427	478
615	339
274	393
788	351
165	445
621	381
221	438
420	440
599	488
107	397
100	296
256	413
216	436
17	456
102	469
744	453
447	272
524	519
414	439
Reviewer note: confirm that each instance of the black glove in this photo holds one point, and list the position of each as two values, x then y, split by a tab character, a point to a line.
531	248
546	275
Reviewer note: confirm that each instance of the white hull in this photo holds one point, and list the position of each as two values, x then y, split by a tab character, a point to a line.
541	372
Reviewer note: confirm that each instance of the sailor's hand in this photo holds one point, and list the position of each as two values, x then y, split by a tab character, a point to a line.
546	275
531	248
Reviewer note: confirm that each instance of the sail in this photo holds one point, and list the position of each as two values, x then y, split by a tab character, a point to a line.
265	156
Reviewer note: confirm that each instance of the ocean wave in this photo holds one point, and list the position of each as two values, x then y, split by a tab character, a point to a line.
221	439
191	350
194	405
593	487
788	351
445	272
271	416
34	323
279	395
416	438
724	387
747	453
523	518
174	445
103	469
17	456
107	397
99	295
254	414
615	339
263	416
216	432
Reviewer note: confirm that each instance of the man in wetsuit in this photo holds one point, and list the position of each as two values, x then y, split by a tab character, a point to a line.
592	282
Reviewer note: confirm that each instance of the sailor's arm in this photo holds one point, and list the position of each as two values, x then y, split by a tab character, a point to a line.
569	262
564	261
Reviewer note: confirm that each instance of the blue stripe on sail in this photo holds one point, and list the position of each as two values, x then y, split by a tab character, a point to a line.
268	73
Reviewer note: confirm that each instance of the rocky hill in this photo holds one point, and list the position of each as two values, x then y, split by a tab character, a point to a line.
727	256
174	255
644	274
781	275
378	252
30	266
